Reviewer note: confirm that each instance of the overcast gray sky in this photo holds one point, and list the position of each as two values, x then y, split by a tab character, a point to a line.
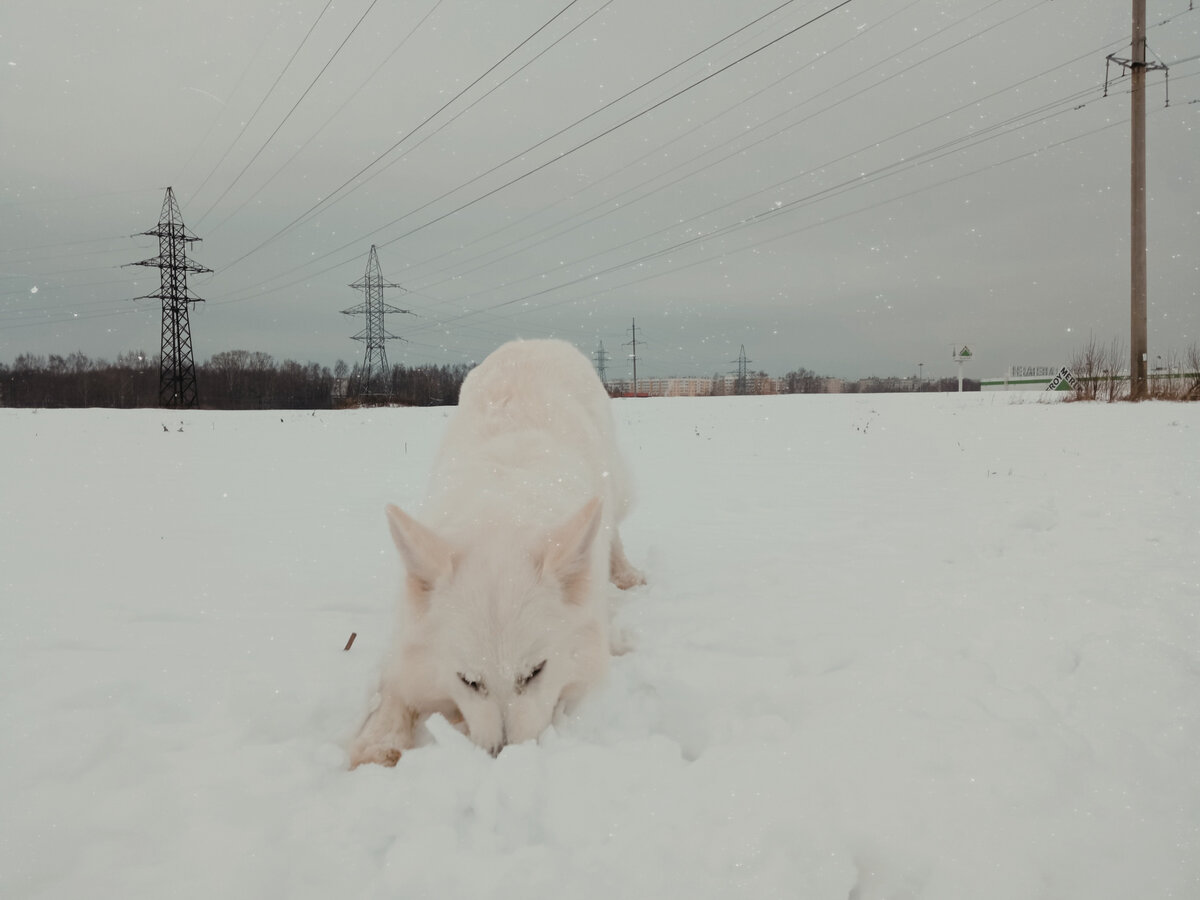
851	193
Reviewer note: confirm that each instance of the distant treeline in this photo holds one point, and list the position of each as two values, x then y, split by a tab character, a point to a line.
234	379
804	381
894	385
245	379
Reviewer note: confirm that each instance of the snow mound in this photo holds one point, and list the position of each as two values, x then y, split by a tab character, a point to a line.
927	646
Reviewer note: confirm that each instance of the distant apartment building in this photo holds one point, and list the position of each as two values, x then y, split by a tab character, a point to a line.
708	386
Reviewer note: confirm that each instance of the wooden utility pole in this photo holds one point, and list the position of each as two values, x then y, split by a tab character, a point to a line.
1138	349
1138	67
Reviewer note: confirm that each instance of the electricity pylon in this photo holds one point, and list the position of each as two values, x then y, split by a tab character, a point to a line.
633	356
177	367
742	382
374	373
602	358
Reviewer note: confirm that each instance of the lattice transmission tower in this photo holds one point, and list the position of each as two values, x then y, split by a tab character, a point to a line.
602	358
741	384
177	367
374	373
634	355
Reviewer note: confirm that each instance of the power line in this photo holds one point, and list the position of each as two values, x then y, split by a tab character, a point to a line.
648	154
460	208
866	178
957	44
234	92
826	195
613	128
821	195
263	101
742	148
511	158
327	200
661	252
335	114
579	146
295	105
933	154
490	309
530	149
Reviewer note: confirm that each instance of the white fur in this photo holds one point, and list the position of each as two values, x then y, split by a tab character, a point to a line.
507	573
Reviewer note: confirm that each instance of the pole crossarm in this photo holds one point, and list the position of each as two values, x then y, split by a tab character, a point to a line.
1144	65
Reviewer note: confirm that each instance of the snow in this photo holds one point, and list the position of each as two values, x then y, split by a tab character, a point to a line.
931	646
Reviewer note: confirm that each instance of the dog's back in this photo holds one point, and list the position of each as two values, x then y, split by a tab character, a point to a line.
533	436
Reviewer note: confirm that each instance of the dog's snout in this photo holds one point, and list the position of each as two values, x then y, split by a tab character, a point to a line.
496	748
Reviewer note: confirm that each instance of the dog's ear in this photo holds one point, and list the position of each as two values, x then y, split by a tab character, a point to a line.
427	558
568	549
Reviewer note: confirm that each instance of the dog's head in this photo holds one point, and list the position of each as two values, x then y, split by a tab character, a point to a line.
508	627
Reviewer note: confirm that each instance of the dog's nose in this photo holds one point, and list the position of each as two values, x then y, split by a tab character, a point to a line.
496	748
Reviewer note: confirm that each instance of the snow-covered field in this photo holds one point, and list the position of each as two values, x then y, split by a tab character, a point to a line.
934	646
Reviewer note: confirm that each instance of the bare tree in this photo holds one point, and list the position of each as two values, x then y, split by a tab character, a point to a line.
803	381
1086	365
1114	357
1190	379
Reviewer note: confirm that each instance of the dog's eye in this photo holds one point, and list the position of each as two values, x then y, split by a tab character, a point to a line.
524	680
477	686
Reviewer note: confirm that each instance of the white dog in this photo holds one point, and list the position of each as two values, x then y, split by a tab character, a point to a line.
505	618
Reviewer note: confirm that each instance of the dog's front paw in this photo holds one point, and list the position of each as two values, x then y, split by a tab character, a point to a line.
378	754
627	578
621	641
385	735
